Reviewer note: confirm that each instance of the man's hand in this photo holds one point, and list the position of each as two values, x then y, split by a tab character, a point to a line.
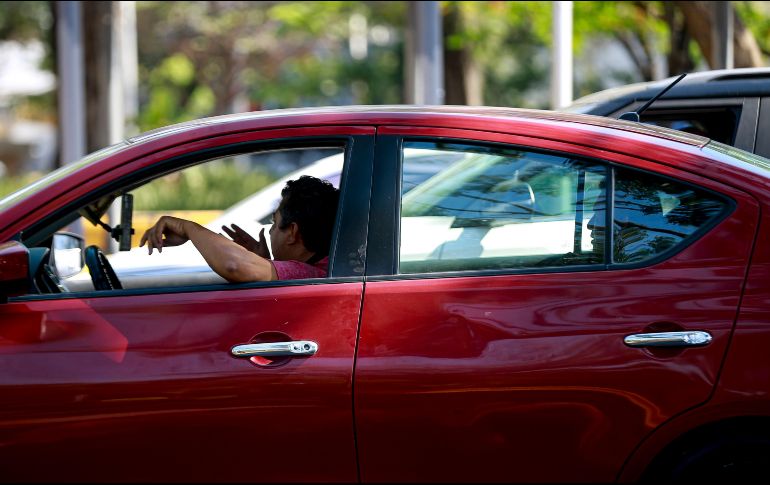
244	239
168	231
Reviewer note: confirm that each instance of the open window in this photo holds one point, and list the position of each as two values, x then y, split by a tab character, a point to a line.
241	188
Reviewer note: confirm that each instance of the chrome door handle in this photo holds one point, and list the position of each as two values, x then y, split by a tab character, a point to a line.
696	338
296	348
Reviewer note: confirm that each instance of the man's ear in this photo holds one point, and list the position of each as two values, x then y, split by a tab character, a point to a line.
294	234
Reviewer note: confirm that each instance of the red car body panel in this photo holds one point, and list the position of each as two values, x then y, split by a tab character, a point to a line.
518	377
91	376
742	378
526	377
84	380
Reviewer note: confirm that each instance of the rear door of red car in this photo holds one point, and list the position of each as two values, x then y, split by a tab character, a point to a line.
477	364
141	385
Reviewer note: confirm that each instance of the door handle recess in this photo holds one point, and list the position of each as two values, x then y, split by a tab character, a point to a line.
296	348
696	338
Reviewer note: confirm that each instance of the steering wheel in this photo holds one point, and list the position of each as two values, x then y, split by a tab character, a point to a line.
102	274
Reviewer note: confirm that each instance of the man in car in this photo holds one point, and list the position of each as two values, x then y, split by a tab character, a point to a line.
300	237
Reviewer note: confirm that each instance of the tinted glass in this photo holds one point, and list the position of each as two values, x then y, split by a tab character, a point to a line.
653	214
496	208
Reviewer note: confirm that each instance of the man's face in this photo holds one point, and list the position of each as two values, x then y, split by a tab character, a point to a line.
278	237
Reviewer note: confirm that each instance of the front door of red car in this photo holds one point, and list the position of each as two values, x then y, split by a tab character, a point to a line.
144	384
501	326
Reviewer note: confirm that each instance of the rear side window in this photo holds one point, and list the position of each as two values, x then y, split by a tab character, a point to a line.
492	207
653	214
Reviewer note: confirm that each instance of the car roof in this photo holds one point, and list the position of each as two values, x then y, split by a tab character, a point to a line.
410	114
713	83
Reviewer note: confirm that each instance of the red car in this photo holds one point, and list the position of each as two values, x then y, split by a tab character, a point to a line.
567	298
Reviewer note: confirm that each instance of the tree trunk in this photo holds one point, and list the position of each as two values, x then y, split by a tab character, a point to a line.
634	46
57	69
454	84
463	78
679	59
746	51
699	20
97	41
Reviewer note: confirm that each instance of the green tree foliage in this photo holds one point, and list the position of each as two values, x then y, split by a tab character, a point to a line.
175	95
505	47
508	46
25	21
214	57
209	186
501	50
756	16
638	26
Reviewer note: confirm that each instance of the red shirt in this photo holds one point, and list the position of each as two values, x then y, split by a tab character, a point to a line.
297	270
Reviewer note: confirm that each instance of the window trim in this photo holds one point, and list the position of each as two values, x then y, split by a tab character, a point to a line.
761	146
378	262
729	208
384	212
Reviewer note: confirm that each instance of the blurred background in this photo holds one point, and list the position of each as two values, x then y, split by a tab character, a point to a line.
78	76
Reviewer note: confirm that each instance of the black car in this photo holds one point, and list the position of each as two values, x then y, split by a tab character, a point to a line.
731	106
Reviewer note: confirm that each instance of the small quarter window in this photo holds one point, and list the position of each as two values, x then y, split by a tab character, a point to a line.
653	214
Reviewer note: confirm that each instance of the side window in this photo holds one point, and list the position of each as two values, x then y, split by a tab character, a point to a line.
653	214
242	189
489	208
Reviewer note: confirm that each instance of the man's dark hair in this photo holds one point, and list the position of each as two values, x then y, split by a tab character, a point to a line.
312	204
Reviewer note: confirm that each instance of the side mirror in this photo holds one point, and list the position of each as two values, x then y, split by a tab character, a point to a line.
67	254
14	269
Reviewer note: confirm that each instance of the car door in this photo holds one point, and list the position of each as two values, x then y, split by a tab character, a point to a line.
493	342
143	384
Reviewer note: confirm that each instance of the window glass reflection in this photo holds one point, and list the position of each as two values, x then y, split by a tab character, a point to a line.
491	208
653	214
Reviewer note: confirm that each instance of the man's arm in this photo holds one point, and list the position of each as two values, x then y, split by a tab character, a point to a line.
227	258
